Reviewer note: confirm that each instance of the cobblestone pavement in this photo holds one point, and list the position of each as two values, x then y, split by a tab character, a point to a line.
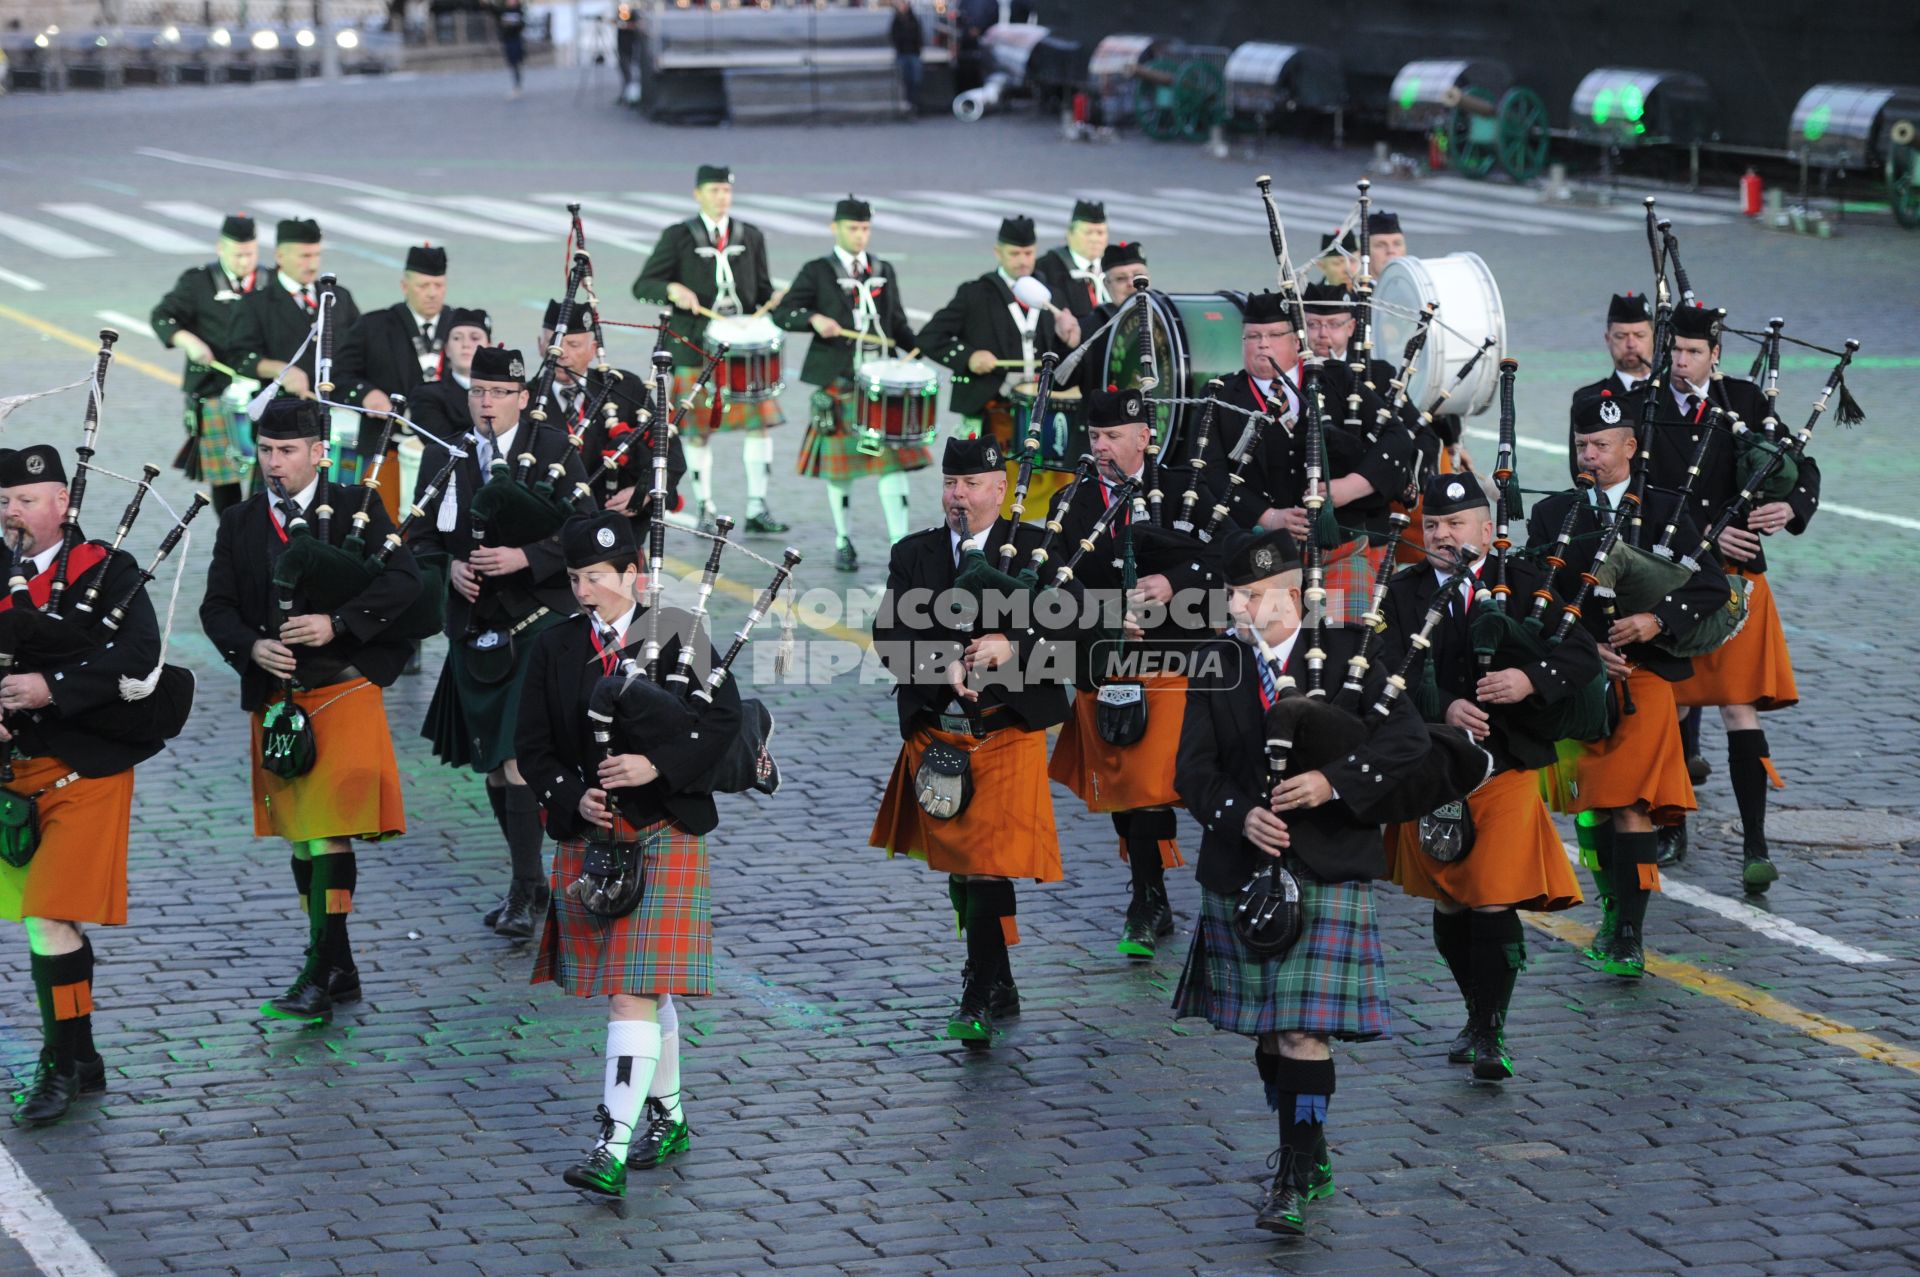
1751	1110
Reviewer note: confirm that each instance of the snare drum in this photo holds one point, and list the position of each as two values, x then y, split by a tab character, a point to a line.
750	372
1469	305
1063	435
895	404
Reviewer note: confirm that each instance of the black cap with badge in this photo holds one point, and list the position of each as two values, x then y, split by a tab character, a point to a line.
1598	412
1325	299
713	173
1018	232
297	230
497	363
1699	322
1267	308
458	318
425	259
289	418
36	463
239	228
1089	211
1108	408
1379	223
1124	253
1255	556
579	320
1452	493
603	537
1632	308
853	209
972	456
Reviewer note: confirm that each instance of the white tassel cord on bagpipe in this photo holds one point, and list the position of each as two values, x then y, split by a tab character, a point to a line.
10	402
138	689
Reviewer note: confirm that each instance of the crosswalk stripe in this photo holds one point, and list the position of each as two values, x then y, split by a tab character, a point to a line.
919	211
1145	216
744	211
201	215
1488	212
445	221
25	283
595	207
1321	212
553	221
48	240
982	211
1684	210
338	224
127	323
161	239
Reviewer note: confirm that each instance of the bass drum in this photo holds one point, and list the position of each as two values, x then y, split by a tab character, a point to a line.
1196	337
1469	305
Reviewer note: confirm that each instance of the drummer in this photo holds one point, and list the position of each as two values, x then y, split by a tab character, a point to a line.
1120	265
1385	240
1076	270
1338	262
850	301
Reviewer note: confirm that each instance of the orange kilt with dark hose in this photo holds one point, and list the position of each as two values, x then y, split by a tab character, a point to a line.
1643	761
353	790
79	873
1006	830
1517	858
1123	777
1751	668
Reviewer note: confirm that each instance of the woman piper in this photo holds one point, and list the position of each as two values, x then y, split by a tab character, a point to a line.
664	946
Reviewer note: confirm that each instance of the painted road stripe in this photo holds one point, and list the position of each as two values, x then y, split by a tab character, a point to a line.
41	1230
1826	507
554	222
445	221
1685	210
161	239
1327	211
187	211
599	206
683	209
26	283
1488	211
343	225
128	325
917	213
48	240
912	220
277	174
91	345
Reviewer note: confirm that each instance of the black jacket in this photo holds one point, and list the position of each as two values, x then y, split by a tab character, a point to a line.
677	259
204	302
554	741
1221	769
916	638
503	600
272	323
1705	590
1054	268
240	608
440	408
1456	671
817	290
905	33
978	319
379	353
629	395
91	684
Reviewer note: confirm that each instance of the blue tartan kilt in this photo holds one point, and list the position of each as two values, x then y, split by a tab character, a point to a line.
1333	981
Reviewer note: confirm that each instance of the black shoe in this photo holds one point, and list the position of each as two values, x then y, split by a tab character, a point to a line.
1460	1050
93	1076
1627	958
307	1001
1698	769
1757	873
662	1139
50	1094
1004	1000
846	558
491	918
517	912
601	1172
413	661
764	524
343	984
972	1020
1491	1063
1604	935
1285	1208
1672	842
1162	911
1320	1175
1137	938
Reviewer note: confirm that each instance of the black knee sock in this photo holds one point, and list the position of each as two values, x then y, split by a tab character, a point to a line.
497	800
525	836
63	985
302	878
1634	875
334	878
1306	1088
1747	769
1690	730
1499	949
1141	832
990	927
1450	937
1269	1066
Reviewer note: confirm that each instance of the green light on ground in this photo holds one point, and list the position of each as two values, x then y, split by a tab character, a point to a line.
1817	121
1408	94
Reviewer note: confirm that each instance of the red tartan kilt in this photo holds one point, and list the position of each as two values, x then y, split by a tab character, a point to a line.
1348	579
1751	668
664	946
1517	858
710	416
831	447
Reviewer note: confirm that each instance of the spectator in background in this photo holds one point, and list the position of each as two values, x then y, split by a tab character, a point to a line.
513	27
908	41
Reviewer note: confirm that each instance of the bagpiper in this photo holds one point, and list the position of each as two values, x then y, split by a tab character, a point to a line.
197	316
606	406
275	319
714	265
439	407
850	301
319	664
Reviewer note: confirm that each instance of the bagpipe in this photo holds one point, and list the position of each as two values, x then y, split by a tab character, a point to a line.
78	619
639	709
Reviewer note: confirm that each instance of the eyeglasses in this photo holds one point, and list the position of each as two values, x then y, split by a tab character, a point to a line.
491	392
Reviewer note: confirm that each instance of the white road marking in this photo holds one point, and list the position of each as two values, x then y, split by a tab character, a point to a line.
342	225
1826	506
913	220
444	221
187	211
744	210
916	214
26	283
48	240
1683	209
1051	207
1326	211
127	323
161	239
1770	925
553	222
595	207
277	174
40	1229
1491	212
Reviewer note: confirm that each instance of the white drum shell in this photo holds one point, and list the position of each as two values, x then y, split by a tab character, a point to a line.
1470	307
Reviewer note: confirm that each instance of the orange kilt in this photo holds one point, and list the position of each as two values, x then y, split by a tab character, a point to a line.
1123	777
1007	829
1751	668
353	790
1517	858
1643	761
79	874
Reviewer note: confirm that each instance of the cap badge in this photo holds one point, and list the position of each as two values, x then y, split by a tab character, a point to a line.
605	538
1610	412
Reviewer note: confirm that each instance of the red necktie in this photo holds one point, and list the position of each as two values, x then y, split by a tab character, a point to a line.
306	299
720	242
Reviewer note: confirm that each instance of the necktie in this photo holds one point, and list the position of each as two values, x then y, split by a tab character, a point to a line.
306	298
1605	505
1693	407
860	266
720	239
484	454
426	332
1269	690
289	511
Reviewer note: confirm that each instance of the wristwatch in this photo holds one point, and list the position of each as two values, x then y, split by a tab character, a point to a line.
339	624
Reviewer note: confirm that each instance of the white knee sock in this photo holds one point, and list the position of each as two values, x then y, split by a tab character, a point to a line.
699	459
666	1077
756	450
633	1049
840	503
895	503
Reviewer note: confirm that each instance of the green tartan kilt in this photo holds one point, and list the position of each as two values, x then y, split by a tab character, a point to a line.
831	447
664	946
222	434
1333	981
471	723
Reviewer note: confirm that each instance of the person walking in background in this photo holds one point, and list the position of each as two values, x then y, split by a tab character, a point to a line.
513	28
908	40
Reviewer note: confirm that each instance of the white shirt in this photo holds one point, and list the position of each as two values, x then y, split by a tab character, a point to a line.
1465	588
1277	391
1011	281
44	559
978	538
503	447
850	265
303	498
715	229
293	285
461	380
421	321
1614	493
1282	653
621	625
1627	379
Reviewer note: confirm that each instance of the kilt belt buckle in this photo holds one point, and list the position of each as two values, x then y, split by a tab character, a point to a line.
959	725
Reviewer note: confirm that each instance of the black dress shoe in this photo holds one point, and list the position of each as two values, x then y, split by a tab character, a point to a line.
1137	938
1320	1173
518	913
972	1020
1460	1050
1162	911
845	557
764	524
1698	769
1285	1208
413	661
662	1139
93	1076
307	1001
50	1094
343	984
1004	1000
601	1172
1627	958
1491	1063
1757	873
1672	845
491	918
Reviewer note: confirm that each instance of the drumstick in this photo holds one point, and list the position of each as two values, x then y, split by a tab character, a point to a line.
1014	363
